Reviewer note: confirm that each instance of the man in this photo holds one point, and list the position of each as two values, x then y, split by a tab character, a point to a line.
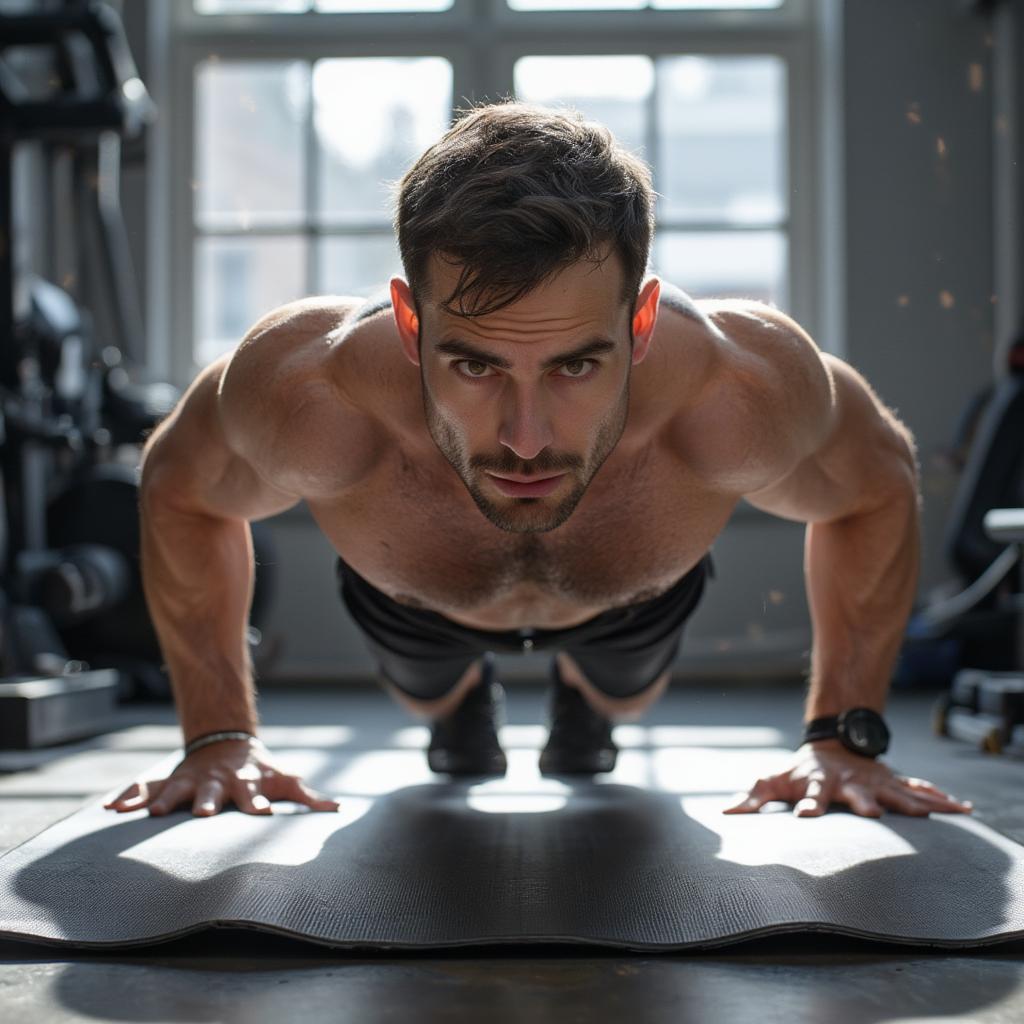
545	466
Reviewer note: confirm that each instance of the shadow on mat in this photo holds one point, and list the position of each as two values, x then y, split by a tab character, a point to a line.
614	865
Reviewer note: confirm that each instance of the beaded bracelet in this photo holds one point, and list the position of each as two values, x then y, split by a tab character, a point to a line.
214	737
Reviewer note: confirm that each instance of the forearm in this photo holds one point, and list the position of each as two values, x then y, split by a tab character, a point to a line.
861	574
198	576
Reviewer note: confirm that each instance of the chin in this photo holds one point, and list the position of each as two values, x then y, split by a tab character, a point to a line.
527	515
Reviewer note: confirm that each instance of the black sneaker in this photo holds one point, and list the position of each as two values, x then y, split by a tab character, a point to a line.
466	741
579	739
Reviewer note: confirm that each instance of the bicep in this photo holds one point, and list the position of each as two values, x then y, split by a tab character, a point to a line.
189	465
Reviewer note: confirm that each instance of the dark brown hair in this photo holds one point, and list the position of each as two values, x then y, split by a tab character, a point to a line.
514	192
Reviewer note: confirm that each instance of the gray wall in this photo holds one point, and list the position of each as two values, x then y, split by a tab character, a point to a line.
919	276
906	251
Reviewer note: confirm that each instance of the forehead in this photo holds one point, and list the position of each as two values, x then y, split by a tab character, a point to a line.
584	293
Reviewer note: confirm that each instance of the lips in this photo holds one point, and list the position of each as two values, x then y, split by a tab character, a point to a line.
526	487
525	479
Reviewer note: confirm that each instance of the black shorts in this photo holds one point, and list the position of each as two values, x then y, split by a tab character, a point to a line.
621	651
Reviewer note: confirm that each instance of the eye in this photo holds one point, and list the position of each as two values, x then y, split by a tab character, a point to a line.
579	362
469	362
481	376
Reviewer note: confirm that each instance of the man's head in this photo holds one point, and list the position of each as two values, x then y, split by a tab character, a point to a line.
547	223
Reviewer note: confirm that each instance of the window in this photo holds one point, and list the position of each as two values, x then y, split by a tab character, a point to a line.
289	190
297	112
635	5
712	128
325	6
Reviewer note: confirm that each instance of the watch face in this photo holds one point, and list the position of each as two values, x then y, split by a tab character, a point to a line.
865	730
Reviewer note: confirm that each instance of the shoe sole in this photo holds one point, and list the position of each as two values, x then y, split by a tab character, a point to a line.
585	763
444	763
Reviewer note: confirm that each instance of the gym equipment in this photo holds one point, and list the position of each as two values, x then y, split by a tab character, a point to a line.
648	866
975	620
987	708
71	417
40	712
100	506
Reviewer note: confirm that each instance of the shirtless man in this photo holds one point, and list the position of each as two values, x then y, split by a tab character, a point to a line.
403	424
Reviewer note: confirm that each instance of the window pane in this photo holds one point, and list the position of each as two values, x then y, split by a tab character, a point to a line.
576	5
721	138
250	6
237	280
734	264
357	264
334	6
373	117
249	142
612	90
619	5
384	6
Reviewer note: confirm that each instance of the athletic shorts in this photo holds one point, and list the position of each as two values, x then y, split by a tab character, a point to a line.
622	651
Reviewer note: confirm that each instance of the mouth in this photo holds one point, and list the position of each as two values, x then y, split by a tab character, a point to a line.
536	487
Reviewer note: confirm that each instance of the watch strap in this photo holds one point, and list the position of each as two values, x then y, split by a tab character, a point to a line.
824	728
827	727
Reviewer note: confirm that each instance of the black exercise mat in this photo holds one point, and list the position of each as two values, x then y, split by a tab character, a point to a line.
642	859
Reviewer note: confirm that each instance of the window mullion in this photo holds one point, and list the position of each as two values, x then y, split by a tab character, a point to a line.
311	184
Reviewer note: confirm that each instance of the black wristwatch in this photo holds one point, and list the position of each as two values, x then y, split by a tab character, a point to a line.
861	730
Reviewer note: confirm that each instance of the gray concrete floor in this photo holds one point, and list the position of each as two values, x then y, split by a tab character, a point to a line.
234	975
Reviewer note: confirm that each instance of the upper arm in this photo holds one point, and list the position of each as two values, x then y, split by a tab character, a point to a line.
258	430
799	432
187	463
820	444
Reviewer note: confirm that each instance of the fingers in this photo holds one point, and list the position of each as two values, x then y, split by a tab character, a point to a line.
164	795
900	800
134	797
761	793
912	796
815	800
283	786
922	784
175	790
302	794
249	798
209	798
926	791
861	800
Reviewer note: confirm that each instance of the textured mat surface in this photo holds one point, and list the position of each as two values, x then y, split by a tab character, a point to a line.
641	859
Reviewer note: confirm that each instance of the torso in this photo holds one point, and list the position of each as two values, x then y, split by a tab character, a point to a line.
412	530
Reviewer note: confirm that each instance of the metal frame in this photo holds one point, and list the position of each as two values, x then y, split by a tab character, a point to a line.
482	39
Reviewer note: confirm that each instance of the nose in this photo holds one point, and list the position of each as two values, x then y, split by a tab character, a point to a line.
525	425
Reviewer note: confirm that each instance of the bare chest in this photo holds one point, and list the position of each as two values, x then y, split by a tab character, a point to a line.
414	532
412	529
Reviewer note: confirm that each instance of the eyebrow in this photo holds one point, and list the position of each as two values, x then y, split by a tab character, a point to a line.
457	347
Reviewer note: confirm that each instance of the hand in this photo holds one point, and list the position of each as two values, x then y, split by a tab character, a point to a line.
239	770
824	771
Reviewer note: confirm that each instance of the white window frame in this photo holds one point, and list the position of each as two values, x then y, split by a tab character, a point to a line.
482	39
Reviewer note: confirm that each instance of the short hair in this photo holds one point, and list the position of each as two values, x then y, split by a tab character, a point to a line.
513	193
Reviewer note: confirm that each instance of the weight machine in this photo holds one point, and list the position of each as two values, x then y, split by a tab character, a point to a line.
75	633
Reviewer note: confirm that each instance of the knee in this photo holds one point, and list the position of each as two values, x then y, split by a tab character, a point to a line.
438	707
624	709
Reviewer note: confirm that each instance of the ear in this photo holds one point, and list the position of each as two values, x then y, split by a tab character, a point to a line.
645	316
404	308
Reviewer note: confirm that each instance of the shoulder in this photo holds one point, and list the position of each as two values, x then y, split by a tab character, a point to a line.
768	402
286	402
